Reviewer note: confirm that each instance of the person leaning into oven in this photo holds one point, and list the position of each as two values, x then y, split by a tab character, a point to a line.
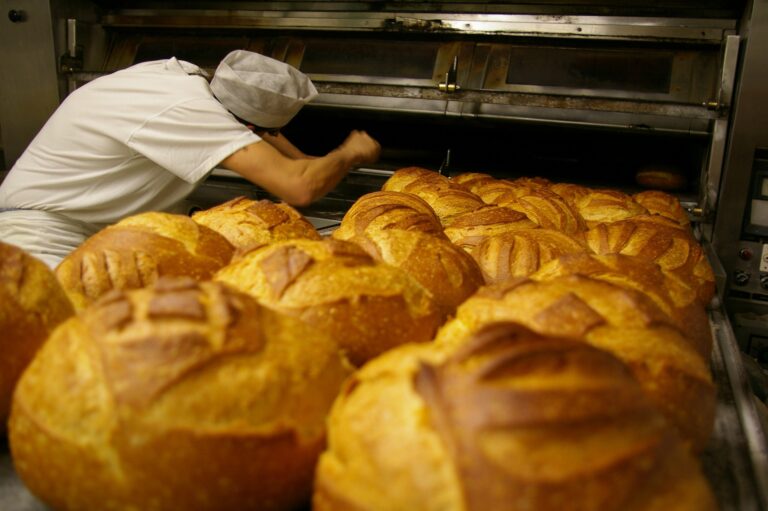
143	138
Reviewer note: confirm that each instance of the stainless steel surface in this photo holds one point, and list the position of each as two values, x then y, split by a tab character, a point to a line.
738	450
463	23
748	133
29	86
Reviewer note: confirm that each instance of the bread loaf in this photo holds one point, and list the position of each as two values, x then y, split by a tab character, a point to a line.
388	210
446	202
246	223
520	253
32	304
469	229
623	322
570	193
337	288
510	421
182	395
547	210
471	180
660	178
138	250
674	297
605	206
445	270
498	191
402	179
664	204
653	239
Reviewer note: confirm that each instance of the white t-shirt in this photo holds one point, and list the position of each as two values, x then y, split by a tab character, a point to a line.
140	139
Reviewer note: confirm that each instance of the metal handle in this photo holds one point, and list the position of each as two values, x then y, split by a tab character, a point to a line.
17	15
450	84
72	37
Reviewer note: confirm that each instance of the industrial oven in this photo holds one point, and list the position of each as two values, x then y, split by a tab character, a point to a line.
589	92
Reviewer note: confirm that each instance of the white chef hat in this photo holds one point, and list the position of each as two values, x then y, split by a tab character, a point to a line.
261	90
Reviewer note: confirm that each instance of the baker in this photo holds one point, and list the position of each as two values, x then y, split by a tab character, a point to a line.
143	138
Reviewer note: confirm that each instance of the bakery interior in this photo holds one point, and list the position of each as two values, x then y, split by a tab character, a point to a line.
596	93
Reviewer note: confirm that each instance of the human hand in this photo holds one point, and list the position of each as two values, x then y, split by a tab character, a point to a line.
361	148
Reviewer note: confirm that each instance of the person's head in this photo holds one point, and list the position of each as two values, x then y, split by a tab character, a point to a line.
260	91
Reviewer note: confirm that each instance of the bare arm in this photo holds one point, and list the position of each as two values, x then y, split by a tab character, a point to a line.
299	181
284	145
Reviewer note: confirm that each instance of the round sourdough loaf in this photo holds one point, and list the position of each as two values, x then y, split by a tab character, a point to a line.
402	178
675	297
247	223
32	304
661	241
520	253
468	230
600	206
179	396
622	321
138	250
510	420
335	287
445	270
664	204
547	210
377	211
446	197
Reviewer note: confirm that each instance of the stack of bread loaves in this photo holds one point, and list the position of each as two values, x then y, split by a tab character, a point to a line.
179	396
32	304
599	396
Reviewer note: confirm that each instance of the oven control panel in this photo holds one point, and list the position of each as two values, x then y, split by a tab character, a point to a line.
749	277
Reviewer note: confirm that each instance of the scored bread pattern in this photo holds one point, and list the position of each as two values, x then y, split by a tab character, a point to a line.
485	403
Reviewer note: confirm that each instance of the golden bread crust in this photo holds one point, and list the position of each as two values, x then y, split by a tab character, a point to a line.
676	298
652	238
138	250
621	321
388	210
449	273
521	252
468	230
605	206
533	422
176	396
32	304
664	204
247	223
336	287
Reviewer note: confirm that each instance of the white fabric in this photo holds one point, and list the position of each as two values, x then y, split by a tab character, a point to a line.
261	90
140	139
47	236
